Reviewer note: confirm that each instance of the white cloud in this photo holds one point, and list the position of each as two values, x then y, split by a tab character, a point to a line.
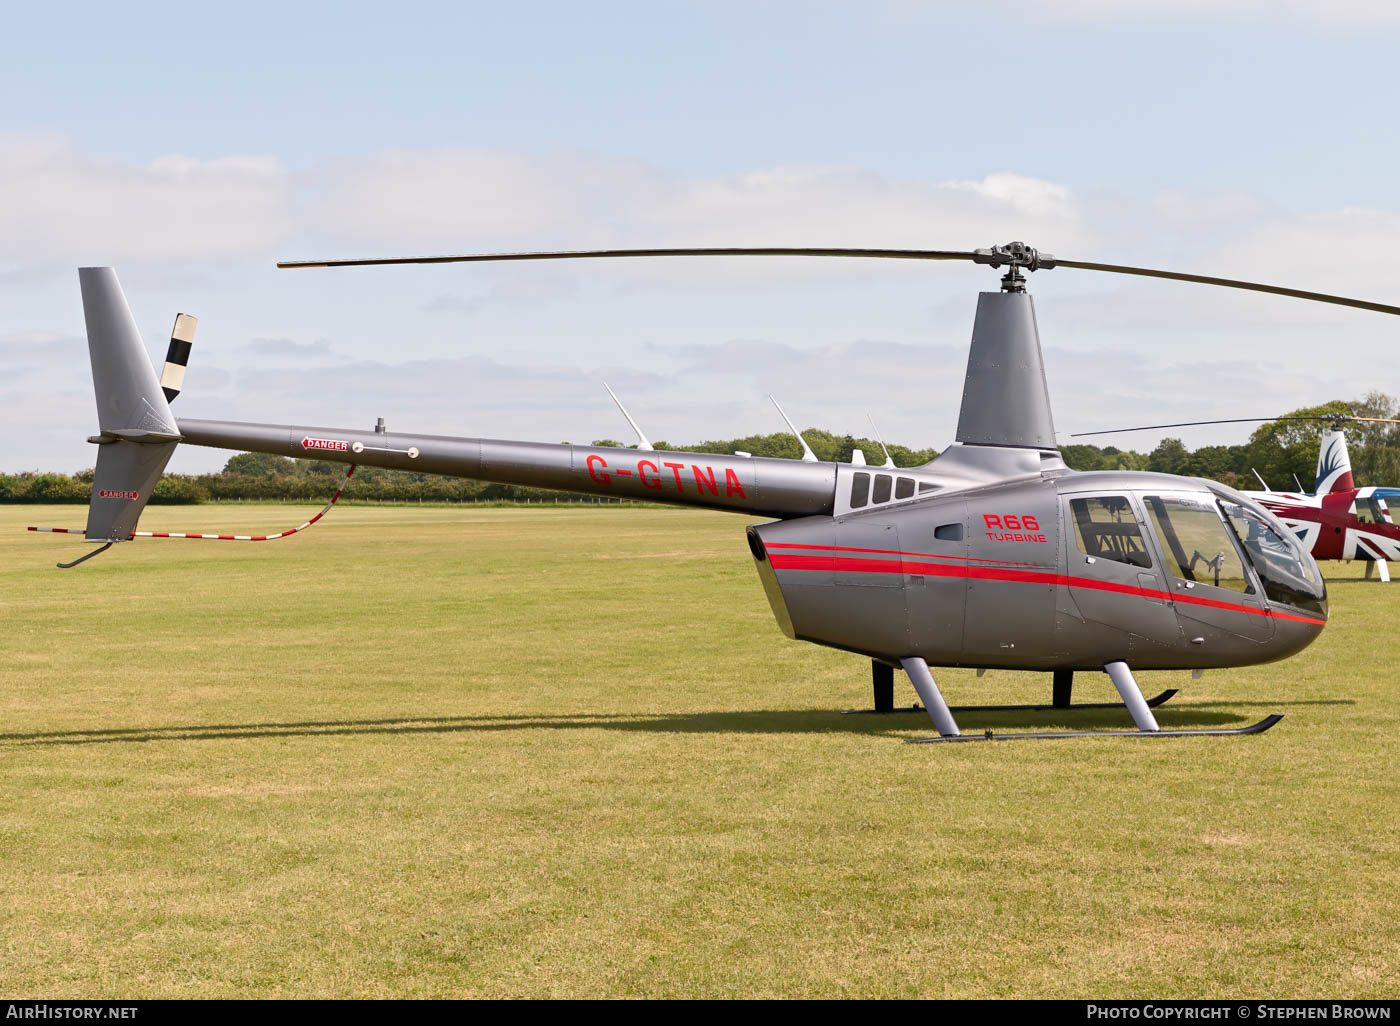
84	208
543	287
285	348
40	347
79	208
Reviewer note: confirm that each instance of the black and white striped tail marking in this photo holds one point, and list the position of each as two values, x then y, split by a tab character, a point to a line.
177	357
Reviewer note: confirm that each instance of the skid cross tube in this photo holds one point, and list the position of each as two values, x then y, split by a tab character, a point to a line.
1122	678
924	684
883	677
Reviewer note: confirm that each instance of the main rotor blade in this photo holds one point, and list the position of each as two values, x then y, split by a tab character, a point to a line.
888	254
1013	255
1195	423
1252	286
1345	417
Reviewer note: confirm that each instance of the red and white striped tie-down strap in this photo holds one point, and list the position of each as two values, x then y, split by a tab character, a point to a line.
222	537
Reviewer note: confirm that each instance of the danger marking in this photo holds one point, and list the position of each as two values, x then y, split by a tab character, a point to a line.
108	494
334	444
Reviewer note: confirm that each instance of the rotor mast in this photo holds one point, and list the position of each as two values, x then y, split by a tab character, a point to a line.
1005	400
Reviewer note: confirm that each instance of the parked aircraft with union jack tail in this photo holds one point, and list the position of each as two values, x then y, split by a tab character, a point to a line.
1339	520
995	555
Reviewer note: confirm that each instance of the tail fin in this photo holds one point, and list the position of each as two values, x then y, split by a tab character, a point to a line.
138	432
1333	465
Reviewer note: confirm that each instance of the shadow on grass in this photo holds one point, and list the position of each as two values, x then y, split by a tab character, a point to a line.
776	721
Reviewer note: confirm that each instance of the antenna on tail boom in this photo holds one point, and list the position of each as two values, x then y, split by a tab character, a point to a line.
643	442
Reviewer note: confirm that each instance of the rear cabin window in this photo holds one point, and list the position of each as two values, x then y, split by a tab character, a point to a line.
1105	528
904	488
1197	544
860	490
882	488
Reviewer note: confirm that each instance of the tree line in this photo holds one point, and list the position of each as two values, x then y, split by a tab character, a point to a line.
1277	451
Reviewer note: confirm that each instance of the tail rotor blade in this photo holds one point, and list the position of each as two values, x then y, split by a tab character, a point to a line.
177	357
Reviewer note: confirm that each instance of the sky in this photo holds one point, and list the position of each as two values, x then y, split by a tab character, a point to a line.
193	146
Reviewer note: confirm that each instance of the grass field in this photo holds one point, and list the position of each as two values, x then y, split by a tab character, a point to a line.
456	752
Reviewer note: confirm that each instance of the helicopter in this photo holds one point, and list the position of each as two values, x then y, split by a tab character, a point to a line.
994	555
1337	520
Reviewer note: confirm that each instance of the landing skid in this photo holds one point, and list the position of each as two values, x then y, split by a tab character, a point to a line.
1118	672
1253	728
1152	703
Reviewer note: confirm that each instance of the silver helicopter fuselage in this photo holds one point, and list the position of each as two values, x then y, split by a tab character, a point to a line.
993	555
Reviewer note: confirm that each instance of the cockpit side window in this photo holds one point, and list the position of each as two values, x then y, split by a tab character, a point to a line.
1106	528
1196	542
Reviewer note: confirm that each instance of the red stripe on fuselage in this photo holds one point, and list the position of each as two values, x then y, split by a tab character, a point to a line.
893	552
783	561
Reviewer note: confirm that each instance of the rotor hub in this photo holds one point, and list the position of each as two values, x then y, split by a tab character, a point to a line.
1014	256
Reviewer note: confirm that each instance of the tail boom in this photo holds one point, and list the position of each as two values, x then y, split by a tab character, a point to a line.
763	487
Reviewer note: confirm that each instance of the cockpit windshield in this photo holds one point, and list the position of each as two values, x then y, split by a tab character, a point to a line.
1286	577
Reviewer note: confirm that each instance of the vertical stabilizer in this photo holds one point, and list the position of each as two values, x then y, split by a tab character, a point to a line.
138	432
1005	400
129	397
1333	465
